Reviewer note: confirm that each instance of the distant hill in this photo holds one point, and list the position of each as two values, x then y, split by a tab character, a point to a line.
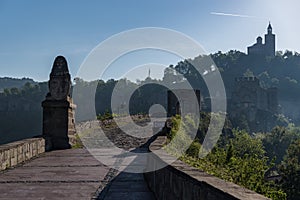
20	103
7	82
20	108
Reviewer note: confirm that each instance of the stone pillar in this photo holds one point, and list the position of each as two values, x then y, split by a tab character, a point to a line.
58	108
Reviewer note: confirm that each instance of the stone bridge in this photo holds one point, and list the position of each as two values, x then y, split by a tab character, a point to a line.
47	168
28	172
69	174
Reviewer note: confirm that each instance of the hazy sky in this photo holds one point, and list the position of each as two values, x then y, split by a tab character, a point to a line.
33	33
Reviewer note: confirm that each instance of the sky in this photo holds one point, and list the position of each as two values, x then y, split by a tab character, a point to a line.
34	32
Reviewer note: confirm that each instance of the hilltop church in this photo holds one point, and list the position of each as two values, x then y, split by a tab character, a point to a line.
266	49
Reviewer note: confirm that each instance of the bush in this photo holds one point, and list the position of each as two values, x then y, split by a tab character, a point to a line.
106	116
193	150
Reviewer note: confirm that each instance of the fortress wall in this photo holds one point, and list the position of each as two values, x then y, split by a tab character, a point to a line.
14	153
180	181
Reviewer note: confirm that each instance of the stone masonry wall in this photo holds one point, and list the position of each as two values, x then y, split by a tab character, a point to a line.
17	152
180	181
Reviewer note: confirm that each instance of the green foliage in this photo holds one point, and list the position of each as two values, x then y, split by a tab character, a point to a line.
246	146
203	125
22	106
241	122
278	140
7	82
77	144
266	81
281	120
194	149
106	116
277	195
179	139
241	160
175	127
290	169
281	71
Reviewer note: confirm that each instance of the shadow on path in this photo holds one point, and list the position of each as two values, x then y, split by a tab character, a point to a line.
124	185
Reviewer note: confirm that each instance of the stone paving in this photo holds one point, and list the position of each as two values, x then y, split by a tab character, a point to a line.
127	186
64	174
74	174
70	174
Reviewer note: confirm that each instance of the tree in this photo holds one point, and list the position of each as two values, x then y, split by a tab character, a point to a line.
6	92
14	91
290	169
241	160
288	54
277	142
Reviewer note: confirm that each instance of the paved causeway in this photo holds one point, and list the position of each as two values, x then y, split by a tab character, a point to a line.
70	174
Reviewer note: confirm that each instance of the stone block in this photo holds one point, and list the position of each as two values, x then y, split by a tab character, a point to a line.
21	156
13	156
28	151
5	158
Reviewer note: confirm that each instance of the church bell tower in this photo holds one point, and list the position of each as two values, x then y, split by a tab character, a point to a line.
270	42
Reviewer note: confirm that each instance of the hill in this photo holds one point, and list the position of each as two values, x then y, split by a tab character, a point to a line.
7	82
21	104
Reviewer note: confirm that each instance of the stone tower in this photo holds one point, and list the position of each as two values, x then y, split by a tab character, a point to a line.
185	102
58	108
270	42
257	105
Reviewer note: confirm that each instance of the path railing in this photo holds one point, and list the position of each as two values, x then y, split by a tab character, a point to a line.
14	153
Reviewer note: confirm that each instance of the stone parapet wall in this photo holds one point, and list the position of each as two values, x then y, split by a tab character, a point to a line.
180	181
17	152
